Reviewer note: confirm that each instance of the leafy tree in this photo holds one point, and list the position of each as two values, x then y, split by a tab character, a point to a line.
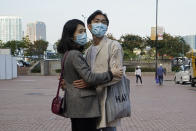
131	42
150	53
57	55
170	45
110	36
25	42
40	46
185	47
29	49
1	44
55	45
128	54
13	45
16	46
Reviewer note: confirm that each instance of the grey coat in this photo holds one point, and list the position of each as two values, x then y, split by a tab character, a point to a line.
82	103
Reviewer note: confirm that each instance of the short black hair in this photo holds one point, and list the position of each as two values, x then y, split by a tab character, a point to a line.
93	15
66	42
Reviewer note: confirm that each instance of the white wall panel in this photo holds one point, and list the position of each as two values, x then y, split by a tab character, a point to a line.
2	67
14	67
8	67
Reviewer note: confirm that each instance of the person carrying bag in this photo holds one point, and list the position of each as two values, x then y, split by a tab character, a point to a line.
118	104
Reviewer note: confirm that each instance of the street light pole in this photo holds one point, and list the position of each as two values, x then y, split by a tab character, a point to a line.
84	18
182	49
156	39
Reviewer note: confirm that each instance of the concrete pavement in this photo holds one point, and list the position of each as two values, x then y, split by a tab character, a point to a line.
25	106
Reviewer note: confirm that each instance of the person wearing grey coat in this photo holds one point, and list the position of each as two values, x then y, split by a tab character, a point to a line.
81	105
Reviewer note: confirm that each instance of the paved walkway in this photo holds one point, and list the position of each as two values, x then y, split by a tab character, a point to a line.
25	106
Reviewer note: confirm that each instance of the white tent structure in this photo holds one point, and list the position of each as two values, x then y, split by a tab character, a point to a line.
8	65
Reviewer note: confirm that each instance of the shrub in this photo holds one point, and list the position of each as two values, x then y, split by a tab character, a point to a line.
144	69
58	70
175	68
36	69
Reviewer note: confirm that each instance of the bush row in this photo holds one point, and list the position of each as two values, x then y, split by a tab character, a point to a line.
144	69
129	69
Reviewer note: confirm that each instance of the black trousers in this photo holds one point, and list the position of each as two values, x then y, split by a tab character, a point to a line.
84	124
109	129
160	80
138	76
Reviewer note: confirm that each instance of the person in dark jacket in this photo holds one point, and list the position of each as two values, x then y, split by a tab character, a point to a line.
81	105
160	72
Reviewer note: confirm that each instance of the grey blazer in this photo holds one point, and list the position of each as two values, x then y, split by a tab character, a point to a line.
81	103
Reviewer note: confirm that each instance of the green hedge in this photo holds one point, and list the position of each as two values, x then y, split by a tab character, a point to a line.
129	69
36	69
144	69
175	68
58	70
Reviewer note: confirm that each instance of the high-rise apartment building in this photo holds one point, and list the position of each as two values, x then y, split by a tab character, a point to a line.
10	28
40	31
190	40
31	31
36	31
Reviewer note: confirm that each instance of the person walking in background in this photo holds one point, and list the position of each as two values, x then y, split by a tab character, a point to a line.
81	105
160	72
138	74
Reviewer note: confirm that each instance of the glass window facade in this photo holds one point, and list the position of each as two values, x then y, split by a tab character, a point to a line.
40	31
36	31
191	40
10	28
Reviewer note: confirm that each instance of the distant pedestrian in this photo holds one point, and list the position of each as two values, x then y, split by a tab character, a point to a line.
138	74
160	72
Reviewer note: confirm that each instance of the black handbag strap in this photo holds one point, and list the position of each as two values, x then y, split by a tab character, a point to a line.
62	70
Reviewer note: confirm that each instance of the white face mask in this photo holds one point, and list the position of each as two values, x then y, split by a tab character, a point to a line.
81	39
99	29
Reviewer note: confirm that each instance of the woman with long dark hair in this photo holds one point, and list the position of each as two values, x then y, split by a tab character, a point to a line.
81	105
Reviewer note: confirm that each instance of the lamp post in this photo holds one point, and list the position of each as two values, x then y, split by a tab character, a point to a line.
84	18
182	49
156	39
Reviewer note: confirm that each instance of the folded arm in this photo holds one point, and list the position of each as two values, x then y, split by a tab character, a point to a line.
84	71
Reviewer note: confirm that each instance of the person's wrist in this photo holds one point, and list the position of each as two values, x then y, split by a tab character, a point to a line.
111	74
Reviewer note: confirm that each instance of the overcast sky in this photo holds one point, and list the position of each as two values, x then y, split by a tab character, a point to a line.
126	16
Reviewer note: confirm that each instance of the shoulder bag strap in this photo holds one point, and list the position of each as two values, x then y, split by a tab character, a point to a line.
62	70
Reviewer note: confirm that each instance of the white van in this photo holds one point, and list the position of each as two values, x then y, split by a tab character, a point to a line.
183	75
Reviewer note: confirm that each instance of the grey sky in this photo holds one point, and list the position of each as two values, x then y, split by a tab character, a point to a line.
126	16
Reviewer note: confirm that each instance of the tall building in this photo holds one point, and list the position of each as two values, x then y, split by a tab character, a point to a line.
190	40
40	31
10	28
36	31
31	31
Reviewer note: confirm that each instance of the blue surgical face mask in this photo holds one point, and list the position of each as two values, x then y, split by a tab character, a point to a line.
81	39
99	29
